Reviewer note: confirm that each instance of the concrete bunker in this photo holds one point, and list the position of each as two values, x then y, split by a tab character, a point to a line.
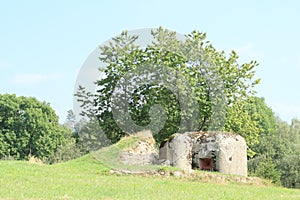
213	151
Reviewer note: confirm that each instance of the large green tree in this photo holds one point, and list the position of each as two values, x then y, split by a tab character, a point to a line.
251	118
170	86
28	127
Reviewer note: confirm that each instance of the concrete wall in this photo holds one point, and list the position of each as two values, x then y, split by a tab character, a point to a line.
232	156
228	151
177	151
129	158
181	146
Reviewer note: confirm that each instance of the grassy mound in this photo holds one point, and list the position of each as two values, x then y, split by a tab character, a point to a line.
110	156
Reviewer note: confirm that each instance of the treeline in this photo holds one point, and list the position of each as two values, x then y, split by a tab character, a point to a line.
30	128
278	155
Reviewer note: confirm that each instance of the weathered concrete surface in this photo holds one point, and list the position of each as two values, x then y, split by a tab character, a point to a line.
232	156
227	151
181	154
177	151
141	153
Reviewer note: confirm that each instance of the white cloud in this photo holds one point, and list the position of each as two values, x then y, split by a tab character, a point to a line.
30	78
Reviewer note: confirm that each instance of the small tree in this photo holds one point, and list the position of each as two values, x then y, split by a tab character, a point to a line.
267	169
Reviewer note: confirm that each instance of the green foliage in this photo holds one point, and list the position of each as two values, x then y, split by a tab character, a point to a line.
206	83
289	164
28	128
71	120
267	169
69	149
90	136
262	115
252	119
239	121
290	169
282	148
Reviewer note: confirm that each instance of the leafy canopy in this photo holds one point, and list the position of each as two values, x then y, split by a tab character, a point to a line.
171	85
28	127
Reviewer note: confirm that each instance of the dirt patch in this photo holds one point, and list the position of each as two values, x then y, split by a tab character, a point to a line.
192	175
35	160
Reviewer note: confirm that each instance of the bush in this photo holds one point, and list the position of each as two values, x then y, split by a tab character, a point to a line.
290	168
267	170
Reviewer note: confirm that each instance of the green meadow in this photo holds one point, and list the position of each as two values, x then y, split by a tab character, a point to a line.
88	178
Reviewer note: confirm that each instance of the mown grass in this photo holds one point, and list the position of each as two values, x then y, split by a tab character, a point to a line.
87	178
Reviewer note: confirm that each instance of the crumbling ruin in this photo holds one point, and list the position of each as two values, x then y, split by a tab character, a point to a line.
214	151
142	152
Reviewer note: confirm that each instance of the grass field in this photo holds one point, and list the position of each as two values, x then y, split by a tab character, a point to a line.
87	178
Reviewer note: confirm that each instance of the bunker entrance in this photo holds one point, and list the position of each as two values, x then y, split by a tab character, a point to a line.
206	163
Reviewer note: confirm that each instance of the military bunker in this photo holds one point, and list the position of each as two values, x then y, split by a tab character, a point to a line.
213	151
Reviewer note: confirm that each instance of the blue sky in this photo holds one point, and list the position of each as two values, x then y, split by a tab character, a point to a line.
43	44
